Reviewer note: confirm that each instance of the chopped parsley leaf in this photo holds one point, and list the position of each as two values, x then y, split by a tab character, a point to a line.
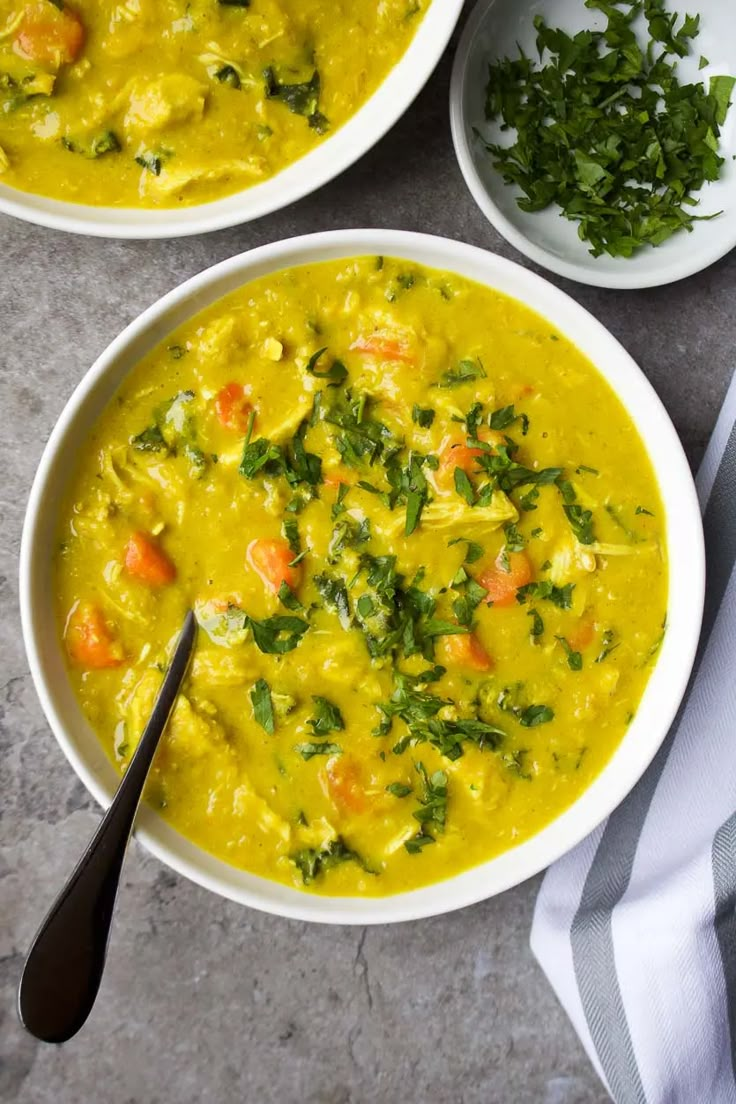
334	594
336	374
301	97
474	550
574	658
559	596
433	809
311	748
422	416
537	628
276	635
327	717
398	789
465	371
260	696
535	715
312	861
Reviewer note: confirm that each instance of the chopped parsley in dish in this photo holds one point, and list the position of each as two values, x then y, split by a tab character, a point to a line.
425	548
606	130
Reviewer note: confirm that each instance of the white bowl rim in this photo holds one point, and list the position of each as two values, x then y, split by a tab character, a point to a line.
667	681
690	262
295	181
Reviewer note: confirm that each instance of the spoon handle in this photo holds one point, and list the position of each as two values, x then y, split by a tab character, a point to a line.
64	966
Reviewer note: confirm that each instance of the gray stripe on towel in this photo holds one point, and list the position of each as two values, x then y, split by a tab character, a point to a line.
724	887
723	854
591	934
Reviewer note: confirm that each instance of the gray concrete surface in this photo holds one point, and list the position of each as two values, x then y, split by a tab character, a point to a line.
204	1001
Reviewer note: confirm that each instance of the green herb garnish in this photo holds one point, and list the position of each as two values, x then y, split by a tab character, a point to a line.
327	717
276	635
260	696
311	748
537	628
474	550
608	645
336	374
574	658
334	594
415	845
535	715
605	129
422	416
151	162
559	596
433	810
228	74
398	789
312	861
464	372
292	461
301	97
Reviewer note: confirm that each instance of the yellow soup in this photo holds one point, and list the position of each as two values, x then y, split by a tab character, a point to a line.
424	545
145	103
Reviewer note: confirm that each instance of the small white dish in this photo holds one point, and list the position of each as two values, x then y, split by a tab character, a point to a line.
494	30
322	164
664	690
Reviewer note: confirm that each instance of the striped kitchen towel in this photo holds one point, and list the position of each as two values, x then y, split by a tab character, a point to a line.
636	928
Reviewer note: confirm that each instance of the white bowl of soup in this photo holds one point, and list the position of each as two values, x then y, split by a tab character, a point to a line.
147	121
445	554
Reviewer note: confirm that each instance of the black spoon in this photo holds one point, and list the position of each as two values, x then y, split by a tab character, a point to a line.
64	966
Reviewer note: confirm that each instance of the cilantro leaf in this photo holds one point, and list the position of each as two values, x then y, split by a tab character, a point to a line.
276	635
327	717
433	809
535	715
334	594
422	416
464	372
336	374
309	749
312	862
417	842
474	550
398	789
558	596
574	658
301	97
260	696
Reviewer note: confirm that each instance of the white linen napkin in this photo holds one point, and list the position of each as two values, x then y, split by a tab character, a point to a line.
636	928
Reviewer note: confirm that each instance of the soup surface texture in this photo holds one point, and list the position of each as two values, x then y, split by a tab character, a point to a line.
425	548
145	103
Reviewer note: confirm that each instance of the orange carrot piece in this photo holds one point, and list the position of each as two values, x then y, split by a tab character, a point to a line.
89	641
271	560
233	408
459	454
501	585
465	650
383	346
146	561
583	633
337	477
345	785
49	35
